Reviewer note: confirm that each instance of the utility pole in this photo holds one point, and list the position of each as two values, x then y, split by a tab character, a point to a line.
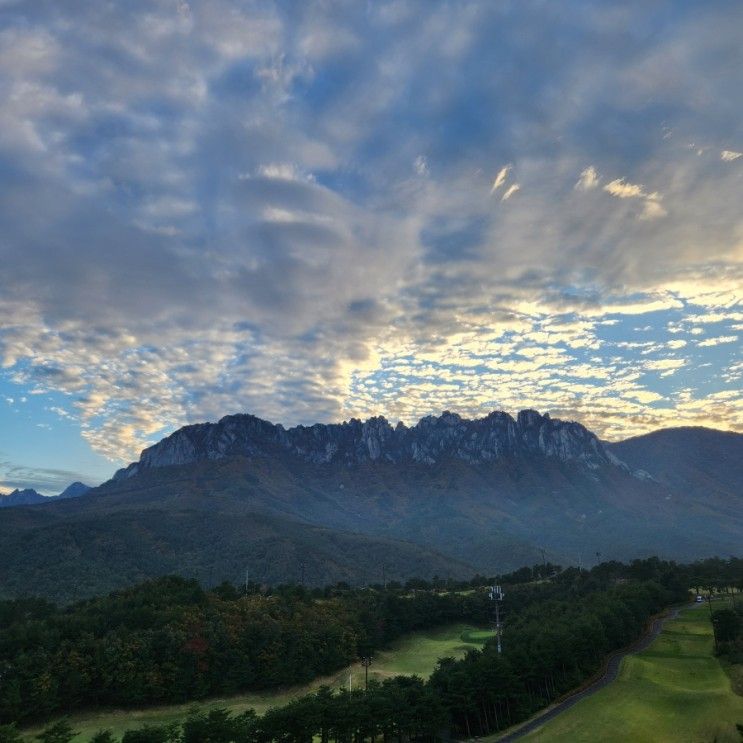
366	661
496	596
247	579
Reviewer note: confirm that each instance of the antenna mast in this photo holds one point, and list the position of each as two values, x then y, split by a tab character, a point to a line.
496	596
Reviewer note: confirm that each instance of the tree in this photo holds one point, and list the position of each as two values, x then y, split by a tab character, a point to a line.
727	624
103	736
218	726
59	732
9	734
152	734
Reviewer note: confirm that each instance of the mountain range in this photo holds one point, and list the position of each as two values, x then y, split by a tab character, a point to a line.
29	497
365	501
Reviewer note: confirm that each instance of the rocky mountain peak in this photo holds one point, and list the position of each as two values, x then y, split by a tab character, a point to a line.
431	440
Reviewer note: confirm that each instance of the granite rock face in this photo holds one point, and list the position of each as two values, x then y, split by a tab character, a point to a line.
433	439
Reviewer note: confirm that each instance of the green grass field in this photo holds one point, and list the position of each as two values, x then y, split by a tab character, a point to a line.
676	690
415	654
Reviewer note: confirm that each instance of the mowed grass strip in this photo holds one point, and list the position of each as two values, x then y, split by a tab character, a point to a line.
415	654
676	690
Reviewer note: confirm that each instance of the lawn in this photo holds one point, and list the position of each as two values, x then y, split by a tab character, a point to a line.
415	654
676	690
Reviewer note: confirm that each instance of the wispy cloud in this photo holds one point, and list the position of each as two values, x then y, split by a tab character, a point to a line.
420	165
45	481
589	179
652	207
500	178
510	191
623	190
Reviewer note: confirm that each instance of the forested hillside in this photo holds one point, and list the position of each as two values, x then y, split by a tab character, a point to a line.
171	641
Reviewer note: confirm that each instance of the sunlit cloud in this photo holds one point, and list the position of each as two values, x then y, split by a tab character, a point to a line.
510	191
500	178
719	340
589	179
623	190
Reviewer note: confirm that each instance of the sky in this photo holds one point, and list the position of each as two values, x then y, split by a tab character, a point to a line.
313	211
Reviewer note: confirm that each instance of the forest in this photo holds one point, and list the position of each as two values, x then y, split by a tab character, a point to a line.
169	640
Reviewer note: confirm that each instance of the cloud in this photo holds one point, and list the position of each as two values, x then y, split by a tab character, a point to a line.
729	155
510	191
623	190
227	208
652	208
589	179
500	178
717	341
665	364
420	165
45	481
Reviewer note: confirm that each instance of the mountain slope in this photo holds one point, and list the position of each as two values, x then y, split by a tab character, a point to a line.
495	514
699	460
66	556
483	490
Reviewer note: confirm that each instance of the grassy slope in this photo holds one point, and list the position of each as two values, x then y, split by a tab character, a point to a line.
415	654
676	690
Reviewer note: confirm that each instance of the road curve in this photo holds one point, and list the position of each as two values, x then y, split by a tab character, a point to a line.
609	675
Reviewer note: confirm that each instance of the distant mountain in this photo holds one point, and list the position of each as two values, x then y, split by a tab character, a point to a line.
27	497
75	490
30	497
447	495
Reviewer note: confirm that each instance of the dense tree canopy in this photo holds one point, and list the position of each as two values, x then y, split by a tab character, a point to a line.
169	641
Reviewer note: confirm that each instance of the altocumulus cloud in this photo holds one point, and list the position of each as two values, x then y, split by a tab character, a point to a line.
210	207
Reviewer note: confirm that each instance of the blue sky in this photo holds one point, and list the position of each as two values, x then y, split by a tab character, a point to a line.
313	211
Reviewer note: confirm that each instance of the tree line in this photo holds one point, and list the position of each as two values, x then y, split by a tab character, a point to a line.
170	641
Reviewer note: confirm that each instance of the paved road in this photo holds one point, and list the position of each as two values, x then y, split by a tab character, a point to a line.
612	670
